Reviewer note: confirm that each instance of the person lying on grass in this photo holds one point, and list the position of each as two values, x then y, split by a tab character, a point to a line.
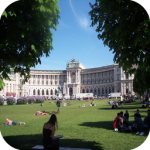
38	113
118	123
10	122
82	105
68	103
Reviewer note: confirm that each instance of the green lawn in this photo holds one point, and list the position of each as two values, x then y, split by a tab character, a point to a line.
87	127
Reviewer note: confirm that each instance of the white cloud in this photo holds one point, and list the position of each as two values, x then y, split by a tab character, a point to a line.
64	24
91	50
83	21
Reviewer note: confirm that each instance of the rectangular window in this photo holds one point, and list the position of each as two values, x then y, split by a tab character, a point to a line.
117	78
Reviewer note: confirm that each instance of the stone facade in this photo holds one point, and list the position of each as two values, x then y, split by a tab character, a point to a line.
99	81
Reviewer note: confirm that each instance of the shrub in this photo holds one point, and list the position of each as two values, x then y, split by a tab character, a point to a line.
31	99
22	100
10	101
1	100
40	99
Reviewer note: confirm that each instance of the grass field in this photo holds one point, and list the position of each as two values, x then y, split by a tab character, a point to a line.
87	127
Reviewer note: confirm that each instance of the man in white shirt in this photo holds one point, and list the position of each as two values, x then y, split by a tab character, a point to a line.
121	102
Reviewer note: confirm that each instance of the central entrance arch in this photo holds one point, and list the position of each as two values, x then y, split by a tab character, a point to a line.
70	91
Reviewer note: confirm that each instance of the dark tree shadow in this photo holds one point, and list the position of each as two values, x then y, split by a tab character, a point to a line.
25	142
108	125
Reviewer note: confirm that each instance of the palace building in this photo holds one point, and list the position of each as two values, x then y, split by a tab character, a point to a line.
100	81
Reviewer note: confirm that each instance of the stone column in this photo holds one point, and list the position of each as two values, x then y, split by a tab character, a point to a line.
97	91
104	91
79	77
76	77
101	91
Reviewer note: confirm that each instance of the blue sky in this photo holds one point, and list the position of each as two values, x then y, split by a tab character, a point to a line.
75	37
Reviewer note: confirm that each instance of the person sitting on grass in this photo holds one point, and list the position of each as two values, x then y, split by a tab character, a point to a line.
115	106
137	112
126	115
138	124
91	104
10	122
41	104
64	104
147	120
38	113
118	123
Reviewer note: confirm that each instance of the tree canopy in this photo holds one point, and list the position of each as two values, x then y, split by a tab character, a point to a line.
124	26
25	35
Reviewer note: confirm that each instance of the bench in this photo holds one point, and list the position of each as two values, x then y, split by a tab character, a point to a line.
40	147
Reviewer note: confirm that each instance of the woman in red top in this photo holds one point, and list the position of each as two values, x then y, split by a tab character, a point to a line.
118	122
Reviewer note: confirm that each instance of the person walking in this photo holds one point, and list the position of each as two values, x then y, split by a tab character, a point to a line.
121	101
58	105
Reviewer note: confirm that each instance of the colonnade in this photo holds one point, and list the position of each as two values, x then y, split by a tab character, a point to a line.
101	91
97	77
47	79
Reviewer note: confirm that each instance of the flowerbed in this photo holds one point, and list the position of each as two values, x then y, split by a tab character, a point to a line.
10	101
1	100
22	100
36	99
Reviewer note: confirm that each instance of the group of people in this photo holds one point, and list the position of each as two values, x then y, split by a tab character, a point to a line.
147	104
115	105
121	122
65	104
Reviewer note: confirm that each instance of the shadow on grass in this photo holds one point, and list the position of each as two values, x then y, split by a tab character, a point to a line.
108	125
25	142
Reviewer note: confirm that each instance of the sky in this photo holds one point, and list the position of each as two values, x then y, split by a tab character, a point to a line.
75	38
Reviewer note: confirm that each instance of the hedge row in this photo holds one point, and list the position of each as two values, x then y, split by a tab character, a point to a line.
22	100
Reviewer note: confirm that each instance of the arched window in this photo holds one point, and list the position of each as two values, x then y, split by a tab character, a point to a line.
34	92
87	90
55	91
109	90
99	91
47	92
38	92
106	90
95	92
83	91
51	92
102	91
42	92
91	91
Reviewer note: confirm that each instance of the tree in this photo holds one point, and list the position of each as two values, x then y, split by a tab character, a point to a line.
138	82
124	26
25	35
